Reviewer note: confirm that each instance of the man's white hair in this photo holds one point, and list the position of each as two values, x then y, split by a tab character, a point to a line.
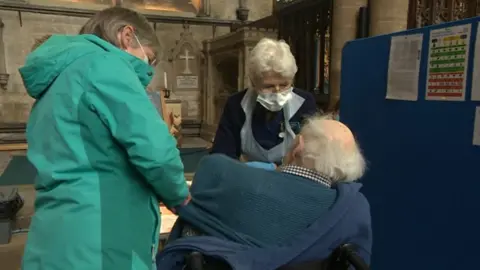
328	155
271	55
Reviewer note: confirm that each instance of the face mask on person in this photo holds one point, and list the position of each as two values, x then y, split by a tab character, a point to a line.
275	101
145	57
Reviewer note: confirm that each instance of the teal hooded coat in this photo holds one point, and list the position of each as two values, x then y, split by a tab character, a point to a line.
104	157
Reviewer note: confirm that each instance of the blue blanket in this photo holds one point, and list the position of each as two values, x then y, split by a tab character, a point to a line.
260	219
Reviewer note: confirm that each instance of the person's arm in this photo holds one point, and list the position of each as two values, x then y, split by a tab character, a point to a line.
120	100
227	137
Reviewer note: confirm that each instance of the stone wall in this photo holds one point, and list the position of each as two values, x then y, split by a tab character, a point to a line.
169	34
18	40
19	36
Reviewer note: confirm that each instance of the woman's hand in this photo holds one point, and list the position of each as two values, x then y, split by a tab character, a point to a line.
187	200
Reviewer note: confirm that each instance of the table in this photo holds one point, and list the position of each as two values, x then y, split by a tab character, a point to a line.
168	220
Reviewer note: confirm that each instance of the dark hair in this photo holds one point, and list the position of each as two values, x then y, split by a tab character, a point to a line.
107	23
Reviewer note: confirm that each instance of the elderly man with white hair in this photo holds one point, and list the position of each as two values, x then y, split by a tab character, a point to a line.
253	218
260	123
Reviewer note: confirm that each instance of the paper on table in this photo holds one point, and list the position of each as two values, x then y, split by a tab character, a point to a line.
167	223
404	67
168	220
476	128
447	63
476	69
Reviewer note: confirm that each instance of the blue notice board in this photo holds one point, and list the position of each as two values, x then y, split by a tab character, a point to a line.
423	181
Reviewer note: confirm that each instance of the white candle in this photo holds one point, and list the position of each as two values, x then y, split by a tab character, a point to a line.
165	79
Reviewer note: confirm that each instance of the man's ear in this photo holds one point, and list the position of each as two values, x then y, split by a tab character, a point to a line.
299	146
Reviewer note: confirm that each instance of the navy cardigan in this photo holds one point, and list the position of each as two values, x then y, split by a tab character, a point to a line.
227	138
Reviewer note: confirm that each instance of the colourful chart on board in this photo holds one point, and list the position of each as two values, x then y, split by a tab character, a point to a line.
447	63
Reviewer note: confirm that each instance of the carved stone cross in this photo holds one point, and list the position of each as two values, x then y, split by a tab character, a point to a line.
187	57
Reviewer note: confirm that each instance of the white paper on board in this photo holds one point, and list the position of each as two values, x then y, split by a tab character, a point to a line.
404	67
476	69
448	63
476	128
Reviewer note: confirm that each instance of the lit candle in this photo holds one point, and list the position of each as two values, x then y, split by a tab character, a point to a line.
165	79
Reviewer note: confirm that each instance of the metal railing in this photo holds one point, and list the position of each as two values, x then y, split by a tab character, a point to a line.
429	12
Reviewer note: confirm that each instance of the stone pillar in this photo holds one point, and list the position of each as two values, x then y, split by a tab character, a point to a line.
3	66
388	16
344	28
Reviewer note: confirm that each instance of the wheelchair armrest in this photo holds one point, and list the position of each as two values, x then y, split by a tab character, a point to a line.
197	261
347	253
341	259
194	261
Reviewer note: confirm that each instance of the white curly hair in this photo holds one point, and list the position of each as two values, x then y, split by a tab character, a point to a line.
331	150
271	56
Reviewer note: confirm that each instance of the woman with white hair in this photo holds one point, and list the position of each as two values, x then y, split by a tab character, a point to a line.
261	122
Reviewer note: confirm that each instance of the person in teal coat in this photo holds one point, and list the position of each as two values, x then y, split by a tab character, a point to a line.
104	157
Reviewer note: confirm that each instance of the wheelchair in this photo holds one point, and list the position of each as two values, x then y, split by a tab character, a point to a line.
343	258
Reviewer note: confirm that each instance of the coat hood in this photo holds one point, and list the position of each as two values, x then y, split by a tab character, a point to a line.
47	62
